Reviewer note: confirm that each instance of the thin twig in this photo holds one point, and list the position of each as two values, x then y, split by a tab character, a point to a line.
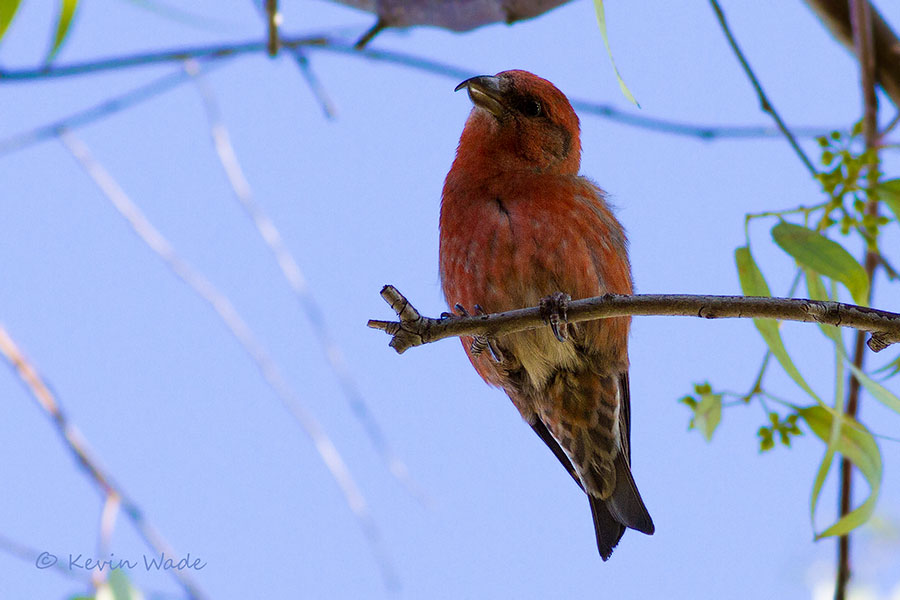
861	21
100	111
325	44
413	329
273	20
245	337
33	556
765	104
313	82
297	282
77	444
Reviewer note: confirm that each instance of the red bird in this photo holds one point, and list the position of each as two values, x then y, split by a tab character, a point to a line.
519	228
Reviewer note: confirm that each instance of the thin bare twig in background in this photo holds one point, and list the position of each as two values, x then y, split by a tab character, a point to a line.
321	43
32	555
245	337
111	505
297	282
861	19
765	104
76	443
273	20
99	111
313	82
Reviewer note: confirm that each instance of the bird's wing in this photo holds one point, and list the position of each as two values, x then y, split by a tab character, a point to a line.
625	415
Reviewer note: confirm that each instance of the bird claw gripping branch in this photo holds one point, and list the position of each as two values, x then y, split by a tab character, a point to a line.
553	310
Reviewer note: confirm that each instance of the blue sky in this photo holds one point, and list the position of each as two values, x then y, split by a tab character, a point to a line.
182	419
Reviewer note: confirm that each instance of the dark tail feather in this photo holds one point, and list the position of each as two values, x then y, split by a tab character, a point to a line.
608	530
625	504
624	508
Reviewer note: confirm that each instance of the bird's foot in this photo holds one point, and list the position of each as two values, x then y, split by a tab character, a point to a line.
480	343
553	311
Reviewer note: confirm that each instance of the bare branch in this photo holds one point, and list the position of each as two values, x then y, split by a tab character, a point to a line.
413	329
861	18
765	104
236	325
325	44
271	236
313	82
76	443
273	20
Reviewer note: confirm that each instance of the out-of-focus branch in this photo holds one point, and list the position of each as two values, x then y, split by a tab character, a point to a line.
273	20
76	443
245	337
764	101
297	282
100	111
836	16
319	43
413	329
862	18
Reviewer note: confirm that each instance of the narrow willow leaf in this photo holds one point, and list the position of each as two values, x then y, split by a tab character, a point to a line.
815	251
889	193
859	447
601	22
878	391
63	24
754	284
8	10
837	421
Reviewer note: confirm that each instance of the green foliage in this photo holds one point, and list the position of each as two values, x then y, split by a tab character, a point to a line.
707	410
63	25
754	284
783	428
851	182
8	9
64	17
889	193
846	181
601	23
814	251
855	443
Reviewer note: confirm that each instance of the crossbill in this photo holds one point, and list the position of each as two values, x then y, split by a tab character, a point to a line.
520	227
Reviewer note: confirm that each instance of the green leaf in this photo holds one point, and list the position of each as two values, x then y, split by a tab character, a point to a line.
689	401
121	587
63	24
766	441
754	284
856	444
878	391
888	192
815	251
752	281
708	414
601	22
892	368
8	10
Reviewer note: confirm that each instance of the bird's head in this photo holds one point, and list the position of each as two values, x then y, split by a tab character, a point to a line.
521	121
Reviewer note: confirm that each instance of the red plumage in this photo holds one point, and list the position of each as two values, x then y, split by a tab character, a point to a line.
518	224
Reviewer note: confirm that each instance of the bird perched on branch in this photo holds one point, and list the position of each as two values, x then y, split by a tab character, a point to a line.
519	227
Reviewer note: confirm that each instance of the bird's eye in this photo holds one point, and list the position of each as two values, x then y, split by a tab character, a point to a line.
532	108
